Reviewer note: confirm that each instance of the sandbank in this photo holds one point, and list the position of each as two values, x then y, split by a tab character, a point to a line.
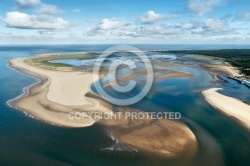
229	106
58	94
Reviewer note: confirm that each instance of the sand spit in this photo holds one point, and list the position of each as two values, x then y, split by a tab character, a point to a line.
58	94
228	105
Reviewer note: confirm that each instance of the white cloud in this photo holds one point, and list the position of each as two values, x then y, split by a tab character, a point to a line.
186	26
202	7
77	11
215	27
111	24
49	9
116	28
27	3
244	15
161	30
45	32
62	38
151	17
212	27
121	29
26	21
105	25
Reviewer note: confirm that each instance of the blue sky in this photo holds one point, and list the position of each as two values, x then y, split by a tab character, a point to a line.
124	22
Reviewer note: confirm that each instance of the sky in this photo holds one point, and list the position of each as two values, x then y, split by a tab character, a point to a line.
124	22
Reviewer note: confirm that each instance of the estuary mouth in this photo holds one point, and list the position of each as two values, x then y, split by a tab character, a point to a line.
125	83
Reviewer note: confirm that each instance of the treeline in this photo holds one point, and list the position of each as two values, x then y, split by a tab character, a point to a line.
236	57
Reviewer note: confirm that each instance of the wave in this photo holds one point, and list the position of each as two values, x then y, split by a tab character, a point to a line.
25	93
117	145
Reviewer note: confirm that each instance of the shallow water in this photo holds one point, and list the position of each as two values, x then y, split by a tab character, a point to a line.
25	140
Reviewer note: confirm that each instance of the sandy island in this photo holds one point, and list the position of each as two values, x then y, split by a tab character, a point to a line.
229	106
58	94
62	91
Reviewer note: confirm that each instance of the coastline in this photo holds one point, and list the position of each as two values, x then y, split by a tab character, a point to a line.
60	92
49	107
230	106
224	70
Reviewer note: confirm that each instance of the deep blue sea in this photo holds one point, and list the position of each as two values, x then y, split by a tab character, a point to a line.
27	141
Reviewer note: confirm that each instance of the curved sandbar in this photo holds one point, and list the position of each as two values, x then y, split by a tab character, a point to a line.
154	137
58	94
228	105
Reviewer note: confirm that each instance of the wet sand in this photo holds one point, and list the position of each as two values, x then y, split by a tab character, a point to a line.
155	137
162	138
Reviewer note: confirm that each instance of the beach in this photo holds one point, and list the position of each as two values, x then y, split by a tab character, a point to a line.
230	106
224	70
58	94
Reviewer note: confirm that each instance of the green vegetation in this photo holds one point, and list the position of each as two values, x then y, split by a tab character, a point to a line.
42	61
236	57
204	59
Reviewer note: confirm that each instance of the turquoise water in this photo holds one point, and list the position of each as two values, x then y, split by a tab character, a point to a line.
27	141
72	62
89	62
